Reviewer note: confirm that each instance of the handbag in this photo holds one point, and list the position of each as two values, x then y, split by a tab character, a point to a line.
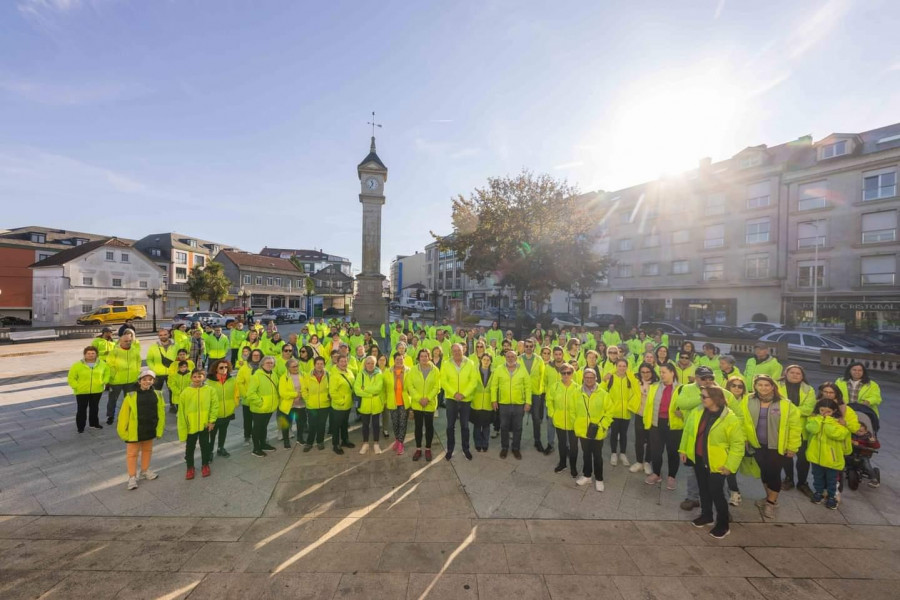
593	428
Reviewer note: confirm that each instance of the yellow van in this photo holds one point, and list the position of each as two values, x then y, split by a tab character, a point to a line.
114	314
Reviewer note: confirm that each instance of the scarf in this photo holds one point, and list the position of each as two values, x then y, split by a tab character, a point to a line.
221	378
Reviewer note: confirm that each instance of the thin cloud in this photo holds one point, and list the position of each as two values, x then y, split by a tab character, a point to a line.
465	153
54	94
893	67
816	28
569	165
441	121
719	8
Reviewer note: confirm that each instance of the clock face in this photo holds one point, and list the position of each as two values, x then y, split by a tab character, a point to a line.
372	183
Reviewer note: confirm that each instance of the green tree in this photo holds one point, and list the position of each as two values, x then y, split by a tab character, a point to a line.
208	283
196	286
522	230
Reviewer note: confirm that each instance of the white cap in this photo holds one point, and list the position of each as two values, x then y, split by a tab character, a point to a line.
145	373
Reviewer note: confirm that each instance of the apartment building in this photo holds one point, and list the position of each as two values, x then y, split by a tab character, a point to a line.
406	271
262	282
447	285
312	261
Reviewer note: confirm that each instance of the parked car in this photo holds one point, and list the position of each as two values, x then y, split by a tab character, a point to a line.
762	327
9	321
727	332
886	337
213	319
424	306
671	328
803	344
282	315
234	311
866	341
114	314
604	319
570	320
394	306
508	316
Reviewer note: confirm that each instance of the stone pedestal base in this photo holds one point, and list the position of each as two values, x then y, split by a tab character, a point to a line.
369	306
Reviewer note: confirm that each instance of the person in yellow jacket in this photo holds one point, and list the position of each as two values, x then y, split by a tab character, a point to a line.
725	370
459	378
104	343
315	386
236	338
482	406
88	378
713	441
178	377
685	367
291	404
561	399
262	398
422	385
341	389
772	427
794	386
141	420
160	357
761	363
224	386
198	409
243	386
857	386
624	398
592	421
124	362
511	395
251	341
657	420
181	337
368	386
825	451
709	358
534	365
396	400
611	337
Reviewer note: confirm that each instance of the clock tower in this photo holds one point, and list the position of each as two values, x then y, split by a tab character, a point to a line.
369	307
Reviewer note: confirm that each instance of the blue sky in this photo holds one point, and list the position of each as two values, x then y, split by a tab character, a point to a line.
243	122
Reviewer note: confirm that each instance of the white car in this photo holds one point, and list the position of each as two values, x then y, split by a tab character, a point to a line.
210	318
804	344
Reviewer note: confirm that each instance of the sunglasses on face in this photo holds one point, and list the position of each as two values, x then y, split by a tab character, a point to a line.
706	378
566	372
222	369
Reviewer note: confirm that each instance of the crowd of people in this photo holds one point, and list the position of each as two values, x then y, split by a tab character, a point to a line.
691	410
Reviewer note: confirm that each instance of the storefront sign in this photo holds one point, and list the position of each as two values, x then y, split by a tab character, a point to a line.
850	305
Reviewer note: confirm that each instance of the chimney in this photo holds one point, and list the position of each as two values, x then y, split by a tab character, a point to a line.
805	140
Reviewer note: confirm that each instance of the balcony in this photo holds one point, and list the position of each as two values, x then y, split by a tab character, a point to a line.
878	236
874	279
811	242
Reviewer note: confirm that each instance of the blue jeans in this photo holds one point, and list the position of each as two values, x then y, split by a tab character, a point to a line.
824	479
457	409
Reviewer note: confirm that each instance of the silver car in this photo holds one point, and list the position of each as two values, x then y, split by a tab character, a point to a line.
809	345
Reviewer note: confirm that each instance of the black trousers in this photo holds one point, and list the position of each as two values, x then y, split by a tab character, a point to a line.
88	410
260	424
641	440
457	410
220	430
113	396
712	493
770	464
802	466
373	421
296	415
424	419
248	422
567	444
593	458
318	419
618	435
538	405
339	422
191	444
662	438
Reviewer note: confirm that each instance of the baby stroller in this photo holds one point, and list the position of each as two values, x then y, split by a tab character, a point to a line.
858	465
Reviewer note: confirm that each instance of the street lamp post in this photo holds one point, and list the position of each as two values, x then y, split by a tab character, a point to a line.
816	278
154	295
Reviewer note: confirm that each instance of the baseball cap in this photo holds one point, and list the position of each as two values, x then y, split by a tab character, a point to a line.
147	372
704	372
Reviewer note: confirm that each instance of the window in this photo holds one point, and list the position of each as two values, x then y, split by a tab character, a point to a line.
428	254
650	269
300	284
124	257
652	213
811	234
758	231
180	257
80	241
879	185
625	245
879	227
756	266
715	204
42	255
681	237
758	194
805	270
155	252
651	241
812	195
878	270
180	273
192	243
143	285
86	308
278	281
680	267
246	280
429	268
87	281
117	283
754	160
39	238
713	269
258	280
624	270
626	215
790	338
110	256
835	149
714	236
199	260
268	281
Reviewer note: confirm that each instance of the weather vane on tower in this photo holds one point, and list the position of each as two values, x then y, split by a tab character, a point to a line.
373	124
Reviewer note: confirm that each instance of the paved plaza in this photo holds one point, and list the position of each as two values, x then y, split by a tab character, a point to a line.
318	525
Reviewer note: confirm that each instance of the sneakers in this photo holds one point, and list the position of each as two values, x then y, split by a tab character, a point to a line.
348	445
204	471
307	447
652	479
428	454
624	460
671	484
377	447
394	445
719	532
190	473
559	468
817	498
132	483
598	485
400	449
614	459
689	504
548	450
837	496
648	468
148	474
735	499
246	441
98	426
702	521
874	483
831	503
769	510
467	454
223	452
417	454
636	468
581	480
258	453
337	449
364	449
268	447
